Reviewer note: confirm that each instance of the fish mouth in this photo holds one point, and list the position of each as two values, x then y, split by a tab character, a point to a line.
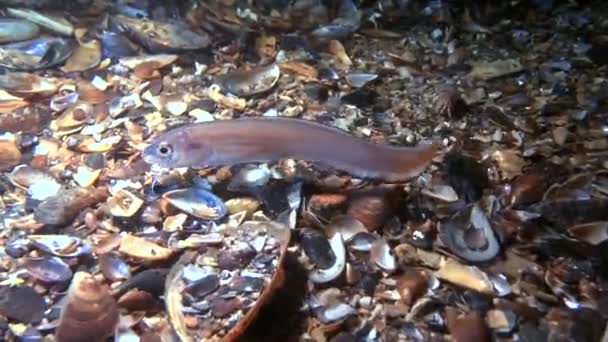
148	156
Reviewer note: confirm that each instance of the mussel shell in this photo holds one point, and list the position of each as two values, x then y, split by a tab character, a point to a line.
26	176
90	312
251	82
116	45
21	303
36	54
113	267
197	202
60	245
317	247
48	270
16	30
203	287
159	36
382	255
469	235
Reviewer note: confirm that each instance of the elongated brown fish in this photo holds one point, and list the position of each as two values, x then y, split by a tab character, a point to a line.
229	142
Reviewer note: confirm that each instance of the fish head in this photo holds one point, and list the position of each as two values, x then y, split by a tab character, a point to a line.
177	148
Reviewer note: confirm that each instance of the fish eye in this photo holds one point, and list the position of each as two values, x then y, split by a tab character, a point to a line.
164	149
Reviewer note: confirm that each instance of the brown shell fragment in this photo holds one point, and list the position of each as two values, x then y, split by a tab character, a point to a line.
90	313
467	327
449	103
593	233
9	155
372	208
141	248
86	56
30	119
64	207
412	285
527	188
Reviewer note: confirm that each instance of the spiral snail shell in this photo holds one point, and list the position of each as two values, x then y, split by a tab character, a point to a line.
90	312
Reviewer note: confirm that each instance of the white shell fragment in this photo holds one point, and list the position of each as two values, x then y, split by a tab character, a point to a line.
382	255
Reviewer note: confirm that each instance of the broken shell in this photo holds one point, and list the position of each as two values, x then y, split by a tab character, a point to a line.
412	285
122	104
362	242
510	162
527	188
88	92
113	268
197	202
48	270
593	233
159	60
328	307
469	277
300	69
116	45
64	99
347	225
359	79
65	206
16	30
337	49
236	257
124	203
53	23
106	244
372	209
251	82
84	176
141	248
250	176
90	312
214	92
174	104
470	326
333	272
246	204
317	248
74	116
40	53
91	145
382	255
449	103
199	289
489	70
84	57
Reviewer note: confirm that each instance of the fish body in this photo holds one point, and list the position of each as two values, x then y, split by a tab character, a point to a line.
250	140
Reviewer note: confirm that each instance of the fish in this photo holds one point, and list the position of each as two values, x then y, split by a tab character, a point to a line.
254	140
